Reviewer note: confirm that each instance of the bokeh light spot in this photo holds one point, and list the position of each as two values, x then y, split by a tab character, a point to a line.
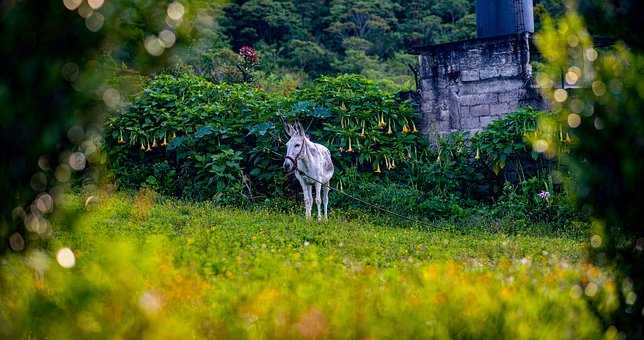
596	241
591	289
571	78
95	4
574	120
16	242
576	292
154	46
77	161
72	4
599	88
590	54
112	98
45	203
65	257
150	302
167	38
561	95
599	124
85	11
94	22
176	11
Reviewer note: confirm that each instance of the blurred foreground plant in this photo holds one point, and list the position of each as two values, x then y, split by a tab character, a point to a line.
59	65
600	101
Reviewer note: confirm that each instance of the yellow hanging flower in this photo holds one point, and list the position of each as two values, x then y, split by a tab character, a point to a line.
362	133
393	164
121	140
414	125
389	131
165	142
148	149
478	156
381	123
405	129
174	135
568	140
142	146
350	149
343	107
154	144
377	168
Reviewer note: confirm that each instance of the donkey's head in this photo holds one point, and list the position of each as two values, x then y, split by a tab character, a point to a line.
295	147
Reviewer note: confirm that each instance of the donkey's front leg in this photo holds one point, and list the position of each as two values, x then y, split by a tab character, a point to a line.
308	199
318	199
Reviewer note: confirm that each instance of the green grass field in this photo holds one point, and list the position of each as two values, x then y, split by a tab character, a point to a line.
160	268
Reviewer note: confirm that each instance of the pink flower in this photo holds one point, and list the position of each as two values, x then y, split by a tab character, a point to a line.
249	54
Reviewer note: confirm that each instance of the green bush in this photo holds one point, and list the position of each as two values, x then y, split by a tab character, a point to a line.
188	137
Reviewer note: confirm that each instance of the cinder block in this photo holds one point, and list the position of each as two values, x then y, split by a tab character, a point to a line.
478	99
470	123
488	72
510	71
501	108
469	75
480	110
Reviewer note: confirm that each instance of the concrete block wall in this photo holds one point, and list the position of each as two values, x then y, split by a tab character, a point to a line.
466	85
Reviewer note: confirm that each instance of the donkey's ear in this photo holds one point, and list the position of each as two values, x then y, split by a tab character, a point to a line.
300	128
288	128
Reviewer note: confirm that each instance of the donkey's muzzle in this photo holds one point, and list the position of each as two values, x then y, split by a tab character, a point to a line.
288	166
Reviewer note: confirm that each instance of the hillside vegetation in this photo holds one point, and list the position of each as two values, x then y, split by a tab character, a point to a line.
152	267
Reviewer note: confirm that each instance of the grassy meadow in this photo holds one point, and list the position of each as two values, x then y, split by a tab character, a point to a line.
151	267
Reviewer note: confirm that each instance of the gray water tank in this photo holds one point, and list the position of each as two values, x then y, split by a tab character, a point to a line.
503	17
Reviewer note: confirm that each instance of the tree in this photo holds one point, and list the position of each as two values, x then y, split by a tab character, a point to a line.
309	57
270	21
452	10
371	20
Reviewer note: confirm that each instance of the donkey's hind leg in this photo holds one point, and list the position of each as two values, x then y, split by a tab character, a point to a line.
325	199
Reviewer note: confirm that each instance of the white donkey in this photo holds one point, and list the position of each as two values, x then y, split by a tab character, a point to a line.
312	165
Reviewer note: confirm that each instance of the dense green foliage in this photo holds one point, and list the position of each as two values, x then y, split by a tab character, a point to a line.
187	137
168	269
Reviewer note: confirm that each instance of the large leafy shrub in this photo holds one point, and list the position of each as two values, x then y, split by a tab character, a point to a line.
189	137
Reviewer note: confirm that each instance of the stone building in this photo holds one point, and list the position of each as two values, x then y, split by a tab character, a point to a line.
465	85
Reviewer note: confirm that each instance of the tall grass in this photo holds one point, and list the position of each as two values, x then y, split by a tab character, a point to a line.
160	268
